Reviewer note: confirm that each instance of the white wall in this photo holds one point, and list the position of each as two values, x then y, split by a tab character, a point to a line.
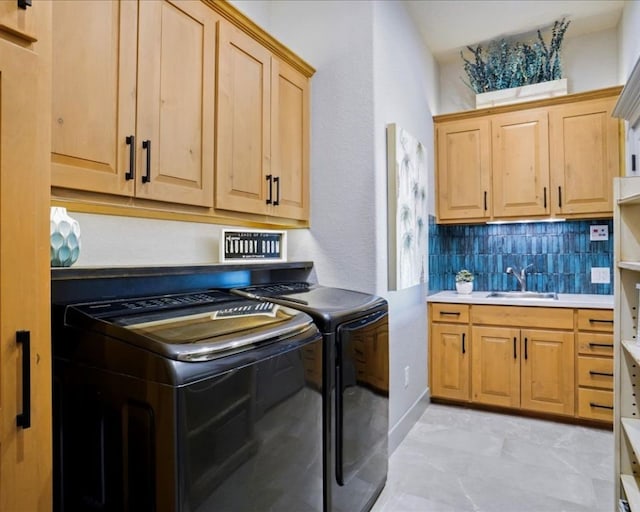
406	91
589	62
629	39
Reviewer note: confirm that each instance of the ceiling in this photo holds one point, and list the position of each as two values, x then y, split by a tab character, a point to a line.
447	26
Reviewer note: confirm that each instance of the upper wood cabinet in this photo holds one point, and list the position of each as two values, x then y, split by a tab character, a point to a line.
584	156
464	169
25	370
549	158
133	99
263	131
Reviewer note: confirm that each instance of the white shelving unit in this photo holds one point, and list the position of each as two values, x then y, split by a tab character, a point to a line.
626	228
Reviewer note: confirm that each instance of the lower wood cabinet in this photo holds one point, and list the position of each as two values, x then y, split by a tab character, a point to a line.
549	360
524	368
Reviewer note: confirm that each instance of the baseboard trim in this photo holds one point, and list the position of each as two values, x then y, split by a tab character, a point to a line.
398	432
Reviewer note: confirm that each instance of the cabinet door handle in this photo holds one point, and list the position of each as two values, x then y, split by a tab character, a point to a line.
146	144
24	419
463	350
23	4
598	320
603	374
607	345
559	197
131	142
545	197
270	196
276	180
515	355
454	313
526	356
600	406
485	200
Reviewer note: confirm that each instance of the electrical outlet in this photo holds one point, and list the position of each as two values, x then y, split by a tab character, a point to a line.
406	376
600	275
599	233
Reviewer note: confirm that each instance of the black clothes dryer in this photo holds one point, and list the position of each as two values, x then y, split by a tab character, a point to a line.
187	402
355	370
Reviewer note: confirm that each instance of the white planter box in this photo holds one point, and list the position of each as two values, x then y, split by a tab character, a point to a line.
519	94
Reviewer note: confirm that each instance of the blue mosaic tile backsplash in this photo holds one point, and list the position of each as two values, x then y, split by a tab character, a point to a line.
561	254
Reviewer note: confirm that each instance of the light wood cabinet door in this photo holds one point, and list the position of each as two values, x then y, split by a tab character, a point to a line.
547	371
133	99
520	164
176	101
450	361
463	170
244	124
584	149
290	141
18	22
25	450
495	366
93	95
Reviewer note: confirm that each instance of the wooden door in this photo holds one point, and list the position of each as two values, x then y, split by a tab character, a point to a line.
585	157
463	170
495	366
520	152
450	361
290	140
93	95
243	161
25	451
176	101
548	371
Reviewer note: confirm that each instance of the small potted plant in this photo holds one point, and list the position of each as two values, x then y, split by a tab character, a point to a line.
464	282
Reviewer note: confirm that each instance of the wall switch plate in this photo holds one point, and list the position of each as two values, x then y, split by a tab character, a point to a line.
599	233
600	275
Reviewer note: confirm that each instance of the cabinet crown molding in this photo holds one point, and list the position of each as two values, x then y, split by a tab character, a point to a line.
628	106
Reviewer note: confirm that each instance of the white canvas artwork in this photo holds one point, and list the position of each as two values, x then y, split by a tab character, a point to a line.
407	197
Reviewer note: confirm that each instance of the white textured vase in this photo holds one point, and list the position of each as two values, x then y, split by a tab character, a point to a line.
65	238
464	287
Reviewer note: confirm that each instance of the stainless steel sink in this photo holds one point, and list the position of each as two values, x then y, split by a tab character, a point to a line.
524	295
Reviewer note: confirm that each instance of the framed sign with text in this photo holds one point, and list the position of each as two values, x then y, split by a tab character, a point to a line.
253	245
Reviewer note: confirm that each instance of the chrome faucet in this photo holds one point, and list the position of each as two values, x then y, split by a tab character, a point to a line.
521	276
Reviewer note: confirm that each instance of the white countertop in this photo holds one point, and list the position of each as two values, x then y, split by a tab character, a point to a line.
565	300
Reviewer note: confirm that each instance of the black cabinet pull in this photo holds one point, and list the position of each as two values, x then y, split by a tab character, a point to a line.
463	350
633	163
454	313
559	197
603	374
485	200
526	353
24	419
23	4
607	345
146	144
545	197
276	180
131	142
515	355
598	320
270	196
600	406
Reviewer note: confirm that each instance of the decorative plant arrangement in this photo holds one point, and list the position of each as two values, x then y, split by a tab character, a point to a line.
464	282
504	64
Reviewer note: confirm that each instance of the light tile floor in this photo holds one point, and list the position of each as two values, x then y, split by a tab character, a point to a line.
462	460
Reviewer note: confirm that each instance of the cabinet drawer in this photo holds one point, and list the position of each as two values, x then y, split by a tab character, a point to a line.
595	344
450	313
595	372
595	320
595	404
523	316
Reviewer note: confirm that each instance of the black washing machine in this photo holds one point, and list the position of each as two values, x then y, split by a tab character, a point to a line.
355	372
188	402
